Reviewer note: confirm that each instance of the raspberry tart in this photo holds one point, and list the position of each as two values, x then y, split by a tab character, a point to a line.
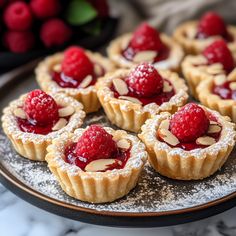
97	164
219	93
35	119
130	96
191	144
215	60
146	45
74	73
195	36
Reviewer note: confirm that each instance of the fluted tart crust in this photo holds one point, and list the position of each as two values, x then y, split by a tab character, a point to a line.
177	163
96	187
33	146
87	96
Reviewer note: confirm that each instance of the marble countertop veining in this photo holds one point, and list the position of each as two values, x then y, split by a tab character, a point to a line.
19	218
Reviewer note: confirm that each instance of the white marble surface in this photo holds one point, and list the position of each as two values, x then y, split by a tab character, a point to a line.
18	218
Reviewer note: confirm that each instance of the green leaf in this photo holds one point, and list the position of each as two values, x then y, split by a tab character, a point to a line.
80	12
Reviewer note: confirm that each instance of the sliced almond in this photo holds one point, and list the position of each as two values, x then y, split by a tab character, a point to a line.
214	129
100	164
191	32
220	79
212	122
168	137
232	86
123	143
125	43
145	56
120	86
98	69
131	99
57	68
232	75
60	124
214	69
19	112
165	124
205	140
66	111
86	81
167	87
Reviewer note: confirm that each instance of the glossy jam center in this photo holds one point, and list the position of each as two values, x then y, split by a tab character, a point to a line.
67	82
158	98
71	157
224	90
129	54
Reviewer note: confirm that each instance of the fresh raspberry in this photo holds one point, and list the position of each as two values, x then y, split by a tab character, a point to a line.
55	32
146	38
211	24
76	64
19	42
218	52
17	16
189	123
43	9
40	108
144	80
101	6
95	143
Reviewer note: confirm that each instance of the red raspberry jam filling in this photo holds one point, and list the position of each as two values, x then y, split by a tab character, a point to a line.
158	98
189	124
121	156
224	90
146	38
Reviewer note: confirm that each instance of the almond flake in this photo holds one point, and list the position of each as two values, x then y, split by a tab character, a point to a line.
167	87
212	122
19	112
191	32
214	129
232	75
131	99
66	111
165	124
168	137
145	56
125	43
60	124
220	79
57	68
101	164
232	86
123	143
205	140
86	81
216	68
98	69
120	86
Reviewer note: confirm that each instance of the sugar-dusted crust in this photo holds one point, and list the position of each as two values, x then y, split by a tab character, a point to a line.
131	116
195	70
185	36
33	146
172	63
226	107
96	187
177	163
87	96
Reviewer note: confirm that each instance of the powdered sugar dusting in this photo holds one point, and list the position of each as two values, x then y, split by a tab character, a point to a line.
152	194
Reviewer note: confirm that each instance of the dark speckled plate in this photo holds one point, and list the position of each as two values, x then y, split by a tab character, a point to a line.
156	201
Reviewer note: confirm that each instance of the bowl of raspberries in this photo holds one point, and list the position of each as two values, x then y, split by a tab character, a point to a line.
34	28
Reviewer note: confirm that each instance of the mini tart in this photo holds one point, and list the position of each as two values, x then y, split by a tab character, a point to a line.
33	146
226	107
177	163
172	63
130	114
96	187
195	70
185	36
87	96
